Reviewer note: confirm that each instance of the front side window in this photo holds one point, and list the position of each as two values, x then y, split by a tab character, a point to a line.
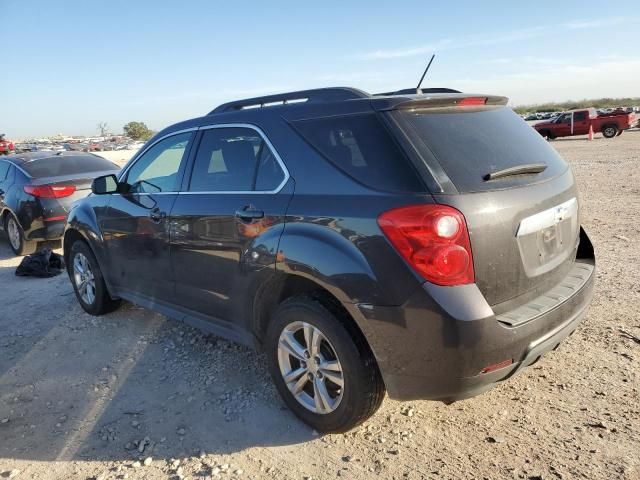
157	169
234	159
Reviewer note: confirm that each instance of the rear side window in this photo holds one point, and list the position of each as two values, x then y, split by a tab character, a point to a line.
471	144
360	146
4	170
580	116
67	165
234	159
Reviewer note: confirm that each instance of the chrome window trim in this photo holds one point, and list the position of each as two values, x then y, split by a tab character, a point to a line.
15	165
255	128
138	155
275	153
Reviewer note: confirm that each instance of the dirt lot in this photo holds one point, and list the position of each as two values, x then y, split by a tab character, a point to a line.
83	397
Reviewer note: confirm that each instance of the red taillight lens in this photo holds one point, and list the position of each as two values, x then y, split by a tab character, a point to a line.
50	191
470	101
433	239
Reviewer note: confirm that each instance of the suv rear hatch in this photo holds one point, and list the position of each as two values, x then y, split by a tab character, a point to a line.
518	196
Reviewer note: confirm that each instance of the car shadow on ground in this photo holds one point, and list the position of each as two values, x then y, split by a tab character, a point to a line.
125	385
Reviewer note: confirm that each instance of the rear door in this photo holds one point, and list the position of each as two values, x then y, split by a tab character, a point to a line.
135	225
523	227
6	179
226	224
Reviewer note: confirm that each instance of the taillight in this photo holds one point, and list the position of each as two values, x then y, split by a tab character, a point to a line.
50	191
471	101
433	239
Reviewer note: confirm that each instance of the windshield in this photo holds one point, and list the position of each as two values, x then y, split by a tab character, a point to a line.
468	145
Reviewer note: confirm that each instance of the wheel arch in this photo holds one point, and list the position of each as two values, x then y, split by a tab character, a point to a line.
287	285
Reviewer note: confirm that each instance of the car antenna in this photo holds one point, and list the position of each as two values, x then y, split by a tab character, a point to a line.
418	91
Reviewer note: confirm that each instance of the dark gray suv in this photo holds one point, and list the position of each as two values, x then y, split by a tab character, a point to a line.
424	244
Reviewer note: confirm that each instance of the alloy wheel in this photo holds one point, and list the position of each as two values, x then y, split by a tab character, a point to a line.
84	279
310	367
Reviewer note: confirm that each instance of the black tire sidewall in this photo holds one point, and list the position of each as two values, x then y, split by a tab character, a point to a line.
26	247
100	304
615	131
354	369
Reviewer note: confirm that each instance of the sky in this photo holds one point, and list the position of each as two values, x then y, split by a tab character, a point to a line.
69	65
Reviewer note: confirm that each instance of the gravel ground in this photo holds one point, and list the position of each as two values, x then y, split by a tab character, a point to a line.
132	395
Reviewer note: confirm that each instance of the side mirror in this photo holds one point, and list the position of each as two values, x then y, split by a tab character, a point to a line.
105	185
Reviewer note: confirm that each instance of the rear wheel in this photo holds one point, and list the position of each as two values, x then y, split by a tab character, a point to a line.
609	131
17	239
88	282
323	369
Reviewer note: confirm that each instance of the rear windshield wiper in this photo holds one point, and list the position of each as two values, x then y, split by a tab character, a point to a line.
517	170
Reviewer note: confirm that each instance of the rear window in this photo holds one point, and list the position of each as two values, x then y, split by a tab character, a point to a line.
67	165
360	146
469	145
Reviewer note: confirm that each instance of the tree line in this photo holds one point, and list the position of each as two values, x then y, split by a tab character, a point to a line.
574	104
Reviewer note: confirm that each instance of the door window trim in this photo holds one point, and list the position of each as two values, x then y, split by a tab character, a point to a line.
139	155
265	139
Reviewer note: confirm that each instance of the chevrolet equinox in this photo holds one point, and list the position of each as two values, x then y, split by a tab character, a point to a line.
423	243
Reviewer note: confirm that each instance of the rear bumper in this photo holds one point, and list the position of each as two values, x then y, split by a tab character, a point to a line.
437	345
47	230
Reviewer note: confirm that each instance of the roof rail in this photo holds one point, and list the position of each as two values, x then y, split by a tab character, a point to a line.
413	91
316	95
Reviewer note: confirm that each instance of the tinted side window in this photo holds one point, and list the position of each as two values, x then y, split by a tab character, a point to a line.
4	170
360	146
157	169
270	175
579	116
234	159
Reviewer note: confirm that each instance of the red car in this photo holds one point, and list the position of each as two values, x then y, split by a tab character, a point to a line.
6	147
577	122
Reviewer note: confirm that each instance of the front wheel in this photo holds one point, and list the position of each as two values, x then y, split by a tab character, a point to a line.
321	365
610	131
17	239
88	282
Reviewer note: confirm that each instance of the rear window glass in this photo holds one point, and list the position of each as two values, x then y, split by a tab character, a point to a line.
67	165
469	145
360	146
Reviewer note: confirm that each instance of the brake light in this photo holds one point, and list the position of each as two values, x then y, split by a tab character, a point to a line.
433	239
50	191
470	101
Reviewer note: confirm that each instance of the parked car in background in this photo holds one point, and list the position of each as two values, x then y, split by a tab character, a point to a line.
578	122
6	146
426	245
37	190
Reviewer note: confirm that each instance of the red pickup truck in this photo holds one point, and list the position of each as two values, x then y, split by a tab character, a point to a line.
577	122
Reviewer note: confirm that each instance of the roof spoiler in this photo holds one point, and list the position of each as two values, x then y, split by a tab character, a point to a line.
415	91
460	100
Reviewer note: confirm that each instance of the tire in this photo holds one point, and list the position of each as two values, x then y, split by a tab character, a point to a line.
16	237
609	131
551	136
88	282
341	349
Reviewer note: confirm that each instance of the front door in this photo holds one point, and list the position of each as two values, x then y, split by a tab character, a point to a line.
227	223
135	228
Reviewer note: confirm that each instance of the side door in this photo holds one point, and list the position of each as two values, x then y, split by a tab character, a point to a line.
581	123
5	182
135	227
227	222
562	127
